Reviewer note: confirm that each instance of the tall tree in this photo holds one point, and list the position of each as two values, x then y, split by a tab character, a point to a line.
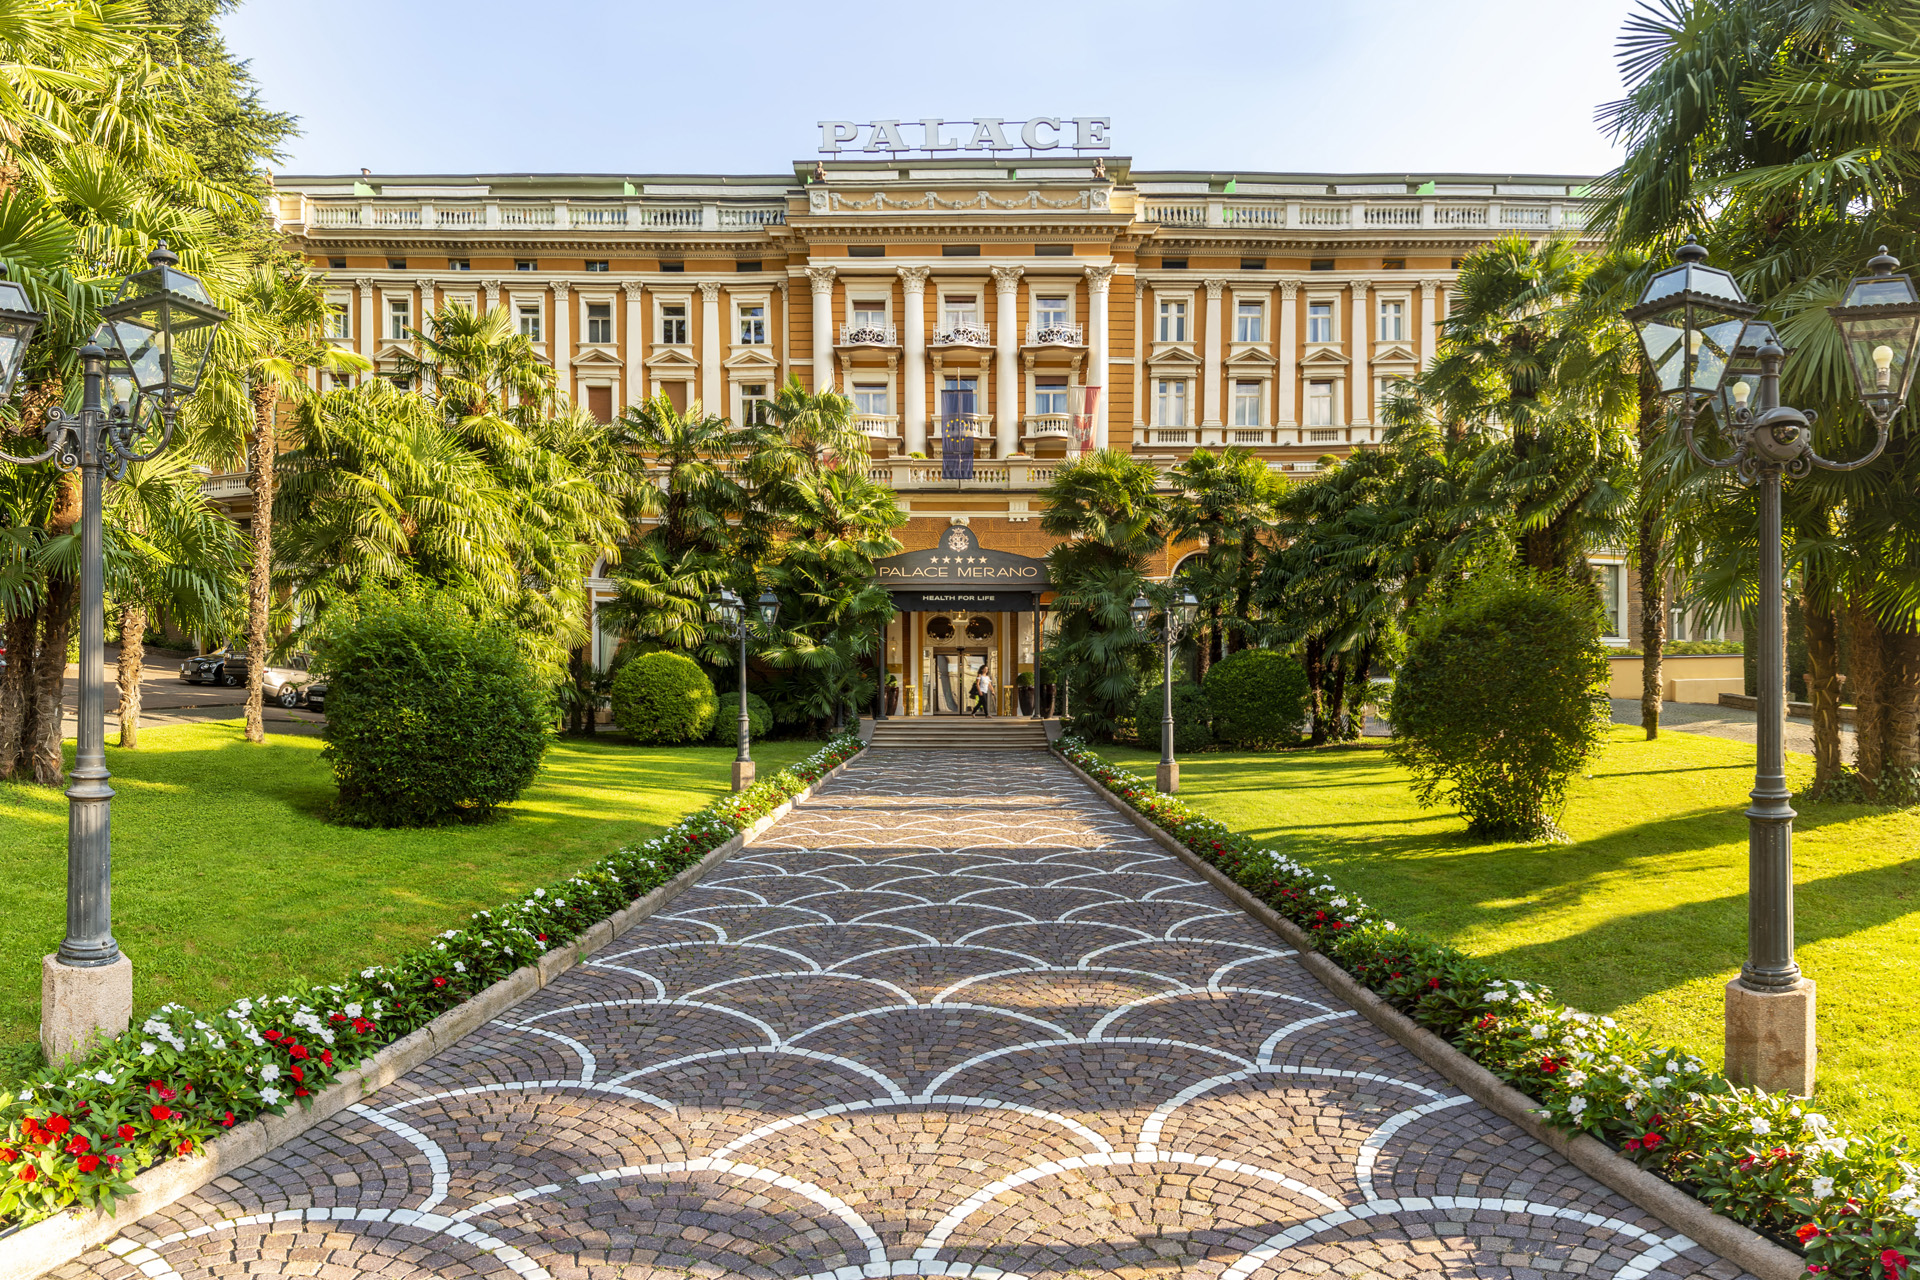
1224	501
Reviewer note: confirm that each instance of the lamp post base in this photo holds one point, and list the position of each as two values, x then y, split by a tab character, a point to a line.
1770	1042
1166	778
742	774
77	1003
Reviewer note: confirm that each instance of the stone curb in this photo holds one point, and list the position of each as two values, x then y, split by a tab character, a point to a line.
1656	1195
33	1250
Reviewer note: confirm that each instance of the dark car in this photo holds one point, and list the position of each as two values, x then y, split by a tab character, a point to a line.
209	668
316	695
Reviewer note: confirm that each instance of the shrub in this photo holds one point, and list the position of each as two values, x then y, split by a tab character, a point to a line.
726	718
664	698
432	717
1190	716
1258	696
1501	700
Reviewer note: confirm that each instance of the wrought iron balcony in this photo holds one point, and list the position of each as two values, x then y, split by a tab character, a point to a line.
973	333
1056	335
869	335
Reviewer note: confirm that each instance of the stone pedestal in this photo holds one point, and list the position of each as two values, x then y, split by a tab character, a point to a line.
742	774
1166	778
1770	1038
76	1003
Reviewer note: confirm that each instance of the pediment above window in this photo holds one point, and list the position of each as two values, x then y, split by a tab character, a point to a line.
756	356
672	357
1323	358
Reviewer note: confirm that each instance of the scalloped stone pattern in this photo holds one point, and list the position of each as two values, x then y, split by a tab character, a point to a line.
952	1016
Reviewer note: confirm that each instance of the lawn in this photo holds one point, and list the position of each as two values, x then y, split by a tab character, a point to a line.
229	881
1643	916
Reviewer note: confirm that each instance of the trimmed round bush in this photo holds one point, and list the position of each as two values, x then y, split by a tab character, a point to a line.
1501	701
1258	696
1190	715
726	718
432	717
663	698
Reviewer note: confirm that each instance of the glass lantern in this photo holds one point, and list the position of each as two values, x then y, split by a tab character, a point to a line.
1689	319
1879	323
162	326
769	605
18	320
1141	610
726	607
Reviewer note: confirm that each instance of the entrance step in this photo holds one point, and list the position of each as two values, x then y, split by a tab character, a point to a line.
959	733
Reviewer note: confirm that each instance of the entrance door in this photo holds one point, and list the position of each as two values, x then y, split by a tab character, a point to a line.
954	673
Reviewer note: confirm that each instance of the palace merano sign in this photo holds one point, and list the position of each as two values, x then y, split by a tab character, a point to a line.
957	560
989	133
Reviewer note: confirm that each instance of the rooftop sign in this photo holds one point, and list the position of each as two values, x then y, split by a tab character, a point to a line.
989	133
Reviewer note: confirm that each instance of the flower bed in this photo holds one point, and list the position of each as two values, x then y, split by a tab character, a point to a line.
1848	1201
78	1134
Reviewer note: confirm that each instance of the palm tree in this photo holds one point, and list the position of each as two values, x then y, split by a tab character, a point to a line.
1223	500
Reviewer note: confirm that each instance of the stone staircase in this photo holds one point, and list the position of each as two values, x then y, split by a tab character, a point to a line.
958	733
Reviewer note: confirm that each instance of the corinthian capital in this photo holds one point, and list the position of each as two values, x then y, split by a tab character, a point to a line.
1007	279
710	290
633	288
913	280
1215	288
560	288
1098	278
364	284
822	278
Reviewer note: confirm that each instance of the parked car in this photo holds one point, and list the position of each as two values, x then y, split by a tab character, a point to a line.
285	684
316	697
208	668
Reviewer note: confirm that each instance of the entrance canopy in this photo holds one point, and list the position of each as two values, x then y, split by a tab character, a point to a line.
959	573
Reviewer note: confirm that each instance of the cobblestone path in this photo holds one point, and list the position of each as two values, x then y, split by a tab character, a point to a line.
951	1017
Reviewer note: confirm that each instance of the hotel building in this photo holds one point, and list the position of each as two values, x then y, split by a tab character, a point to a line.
945	297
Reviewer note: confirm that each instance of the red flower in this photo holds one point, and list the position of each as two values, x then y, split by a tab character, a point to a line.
160	1113
1549	1066
165	1094
228	1122
271	1035
1807	1232
80	1143
1433	984
58	1124
1894	1261
439	982
338	1017
1633	1144
298	1051
326	1056
1651	1141
299	1091
126	1132
29	1174
540	937
88	1163
114	1161
186	1146
297	1073
361	1026
1487	1023
8	1154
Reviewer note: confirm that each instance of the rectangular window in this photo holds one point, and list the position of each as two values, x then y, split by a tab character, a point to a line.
959	250
753	402
870	399
1253	264
1173	264
336	264
1319	322
867	251
525	264
1393	264
1612	577
673	323
676	395
753	324
1173	322
530	323
396	264
599	322
1320	404
672	266
1320	264
339	320
1053	251
961	309
1250	322
1050	395
868	313
399	317
600	403
1393	321
1246	403
747	264
1173	402
459	264
597	265
1050	312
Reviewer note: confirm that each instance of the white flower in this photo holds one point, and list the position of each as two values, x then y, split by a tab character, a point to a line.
1496	997
26	1095
104	1077
1576	1105
1817	1122
1832	1146
459	967
1822	1188
1539	1032
270	1072
352	1010
539	893
1761	1127
1608	1022
1661	1082
148	1048
271	1096
1575	1079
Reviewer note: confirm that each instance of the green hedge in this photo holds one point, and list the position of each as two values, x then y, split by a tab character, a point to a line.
1259	698
432	717
1191	714
663	698
726	718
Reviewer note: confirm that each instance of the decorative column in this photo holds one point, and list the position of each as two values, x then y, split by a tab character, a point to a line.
420	325
822	278
1289	376
562	344
369	322
634	350
1210	360
1429	320
1140	349
1098	279
913	337
492	289
711	344
1006	373
1362	352
786	329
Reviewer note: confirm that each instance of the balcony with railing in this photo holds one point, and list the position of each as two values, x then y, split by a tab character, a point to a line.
225	487
878	426
961	425
968	333
1056	334
869	335
1335	212
926	473
556	214
1047	426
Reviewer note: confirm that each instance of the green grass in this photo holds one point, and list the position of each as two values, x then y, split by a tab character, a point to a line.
1643	916
228	881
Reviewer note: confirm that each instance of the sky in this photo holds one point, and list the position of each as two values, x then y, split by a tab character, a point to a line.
736	86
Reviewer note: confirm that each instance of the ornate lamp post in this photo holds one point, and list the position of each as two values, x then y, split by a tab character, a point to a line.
1693	323
154	346
1176	621
731	614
